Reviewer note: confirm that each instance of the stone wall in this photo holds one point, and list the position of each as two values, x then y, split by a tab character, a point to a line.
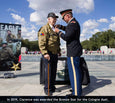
36	58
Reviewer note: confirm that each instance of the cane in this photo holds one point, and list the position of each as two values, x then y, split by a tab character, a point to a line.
48	78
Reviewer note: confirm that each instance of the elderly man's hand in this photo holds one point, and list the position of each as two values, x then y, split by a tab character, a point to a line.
58	26
59	54
46	56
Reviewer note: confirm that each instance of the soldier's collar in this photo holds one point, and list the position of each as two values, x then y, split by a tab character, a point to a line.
70	20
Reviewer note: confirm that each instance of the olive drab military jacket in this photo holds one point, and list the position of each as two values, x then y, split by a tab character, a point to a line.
10	37
19	36
48	40
6	54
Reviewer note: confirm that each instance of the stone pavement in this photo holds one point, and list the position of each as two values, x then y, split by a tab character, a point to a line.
27	83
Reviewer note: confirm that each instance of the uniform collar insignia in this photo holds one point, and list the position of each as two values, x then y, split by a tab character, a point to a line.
73	22
70	20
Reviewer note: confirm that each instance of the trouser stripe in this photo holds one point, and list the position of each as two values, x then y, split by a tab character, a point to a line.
74	73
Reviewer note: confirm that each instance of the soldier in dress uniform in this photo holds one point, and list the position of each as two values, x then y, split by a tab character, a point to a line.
49	44
74	49
10	36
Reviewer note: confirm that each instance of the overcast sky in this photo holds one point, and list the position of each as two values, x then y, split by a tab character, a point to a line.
93	15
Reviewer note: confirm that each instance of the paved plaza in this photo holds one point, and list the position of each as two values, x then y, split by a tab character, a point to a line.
27	81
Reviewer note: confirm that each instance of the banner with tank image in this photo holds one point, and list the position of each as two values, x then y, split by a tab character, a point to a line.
10	47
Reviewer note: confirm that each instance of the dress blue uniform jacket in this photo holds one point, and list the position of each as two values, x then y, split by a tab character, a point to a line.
71	36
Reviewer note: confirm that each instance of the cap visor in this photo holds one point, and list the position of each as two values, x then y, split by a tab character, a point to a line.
56	16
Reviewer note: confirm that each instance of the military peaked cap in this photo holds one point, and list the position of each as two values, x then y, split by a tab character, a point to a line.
64	12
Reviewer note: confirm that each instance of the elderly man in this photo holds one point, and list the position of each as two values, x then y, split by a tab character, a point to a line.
49	44
74	49
19	34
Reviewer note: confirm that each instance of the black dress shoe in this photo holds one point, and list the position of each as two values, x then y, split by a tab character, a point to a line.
71	90
46	92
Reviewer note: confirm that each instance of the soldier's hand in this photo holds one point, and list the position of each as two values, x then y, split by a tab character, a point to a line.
58	26
46	56
56	30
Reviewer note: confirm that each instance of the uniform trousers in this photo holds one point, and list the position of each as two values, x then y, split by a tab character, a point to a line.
52	71
75	75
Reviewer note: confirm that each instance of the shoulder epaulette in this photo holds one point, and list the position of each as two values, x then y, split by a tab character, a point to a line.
73	22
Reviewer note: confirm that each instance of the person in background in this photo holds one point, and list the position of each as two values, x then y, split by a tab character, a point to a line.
10	37
19	34
6	54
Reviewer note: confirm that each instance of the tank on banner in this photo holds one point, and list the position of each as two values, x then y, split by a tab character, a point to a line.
10	47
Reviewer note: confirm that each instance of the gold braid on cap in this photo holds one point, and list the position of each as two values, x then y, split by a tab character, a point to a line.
63	14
